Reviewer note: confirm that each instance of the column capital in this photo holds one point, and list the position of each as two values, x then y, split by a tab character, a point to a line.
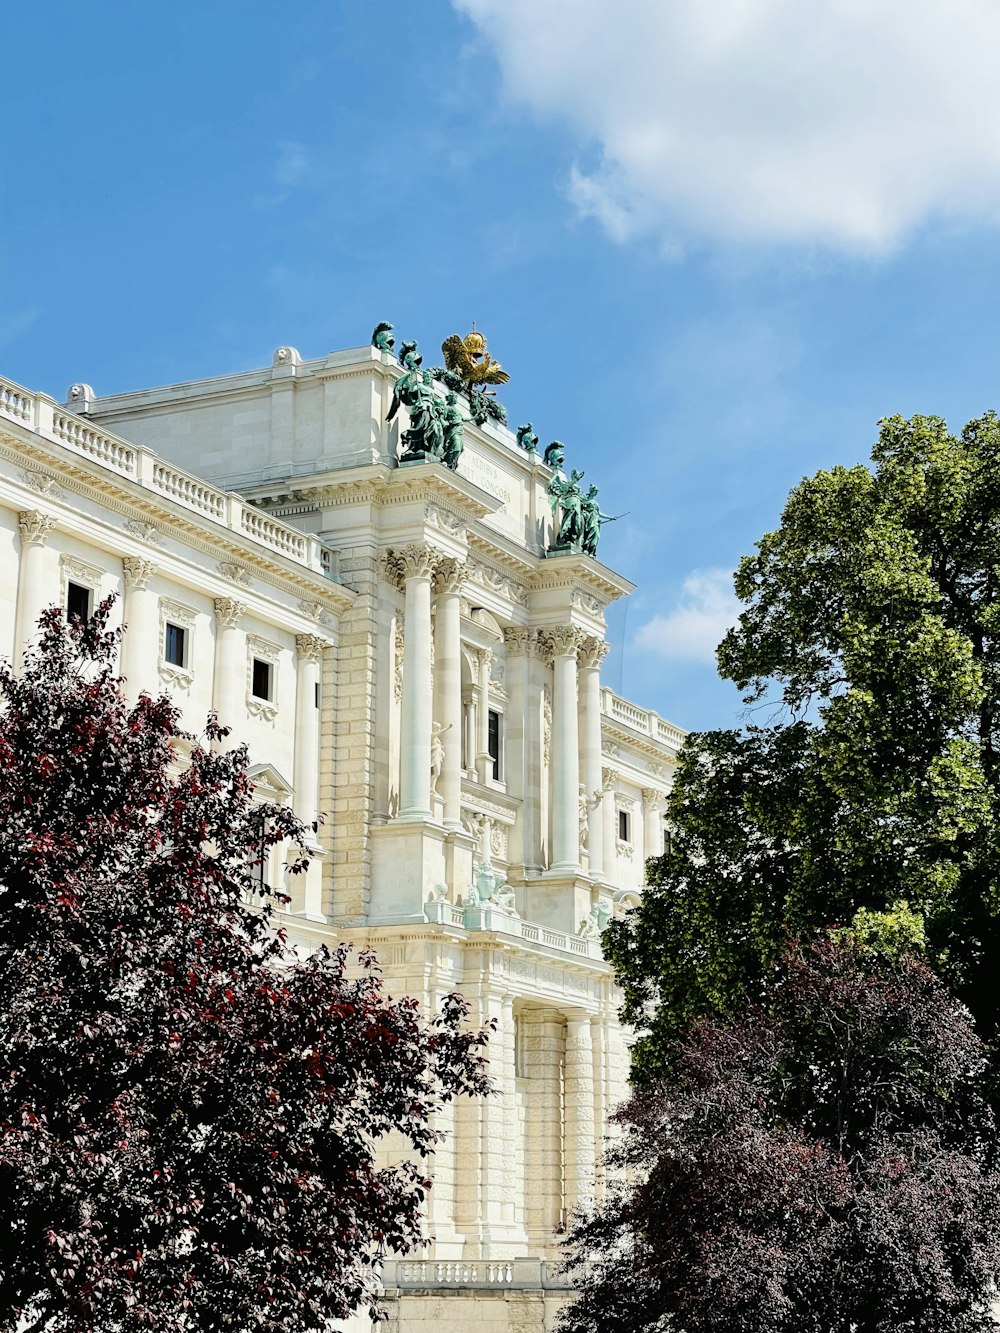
449	575
651	798
560	641
35	526
390	567
592	653
418	562
310	647
137	572
520	642
228	611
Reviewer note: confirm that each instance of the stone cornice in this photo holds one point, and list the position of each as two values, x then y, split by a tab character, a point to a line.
138	505
583	573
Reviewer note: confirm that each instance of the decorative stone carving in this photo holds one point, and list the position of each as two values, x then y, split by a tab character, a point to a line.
590	926
266	709
398	643
652	799
137	572
442	519
498	841
546	723
437	754
584	601
310	647
34	526
449	575
390	568
80	571
80	397
520	642
237	573
176	613
593	652
228	611
148	532
42	483
315	611
497	582
419	562
560	641
286	356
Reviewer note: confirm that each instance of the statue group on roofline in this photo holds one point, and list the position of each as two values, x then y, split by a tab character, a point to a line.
435	431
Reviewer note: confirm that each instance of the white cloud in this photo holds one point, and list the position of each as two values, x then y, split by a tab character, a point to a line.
846	123
693	629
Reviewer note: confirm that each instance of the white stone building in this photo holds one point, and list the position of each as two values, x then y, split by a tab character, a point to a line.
405	662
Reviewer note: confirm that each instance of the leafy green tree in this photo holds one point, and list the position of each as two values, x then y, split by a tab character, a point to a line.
868	773
818	1162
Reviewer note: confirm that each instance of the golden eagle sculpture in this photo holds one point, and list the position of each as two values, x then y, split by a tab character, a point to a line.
468	359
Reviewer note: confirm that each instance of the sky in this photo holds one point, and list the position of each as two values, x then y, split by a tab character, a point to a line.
712	244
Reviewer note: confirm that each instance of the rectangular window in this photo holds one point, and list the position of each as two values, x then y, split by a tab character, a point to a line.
262	679
77	601
624	826
175	644
493	742
316	693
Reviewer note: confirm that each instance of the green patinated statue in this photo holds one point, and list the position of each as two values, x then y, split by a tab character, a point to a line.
382	337
424	440
527	439
555	455
452	423
567	498
591	520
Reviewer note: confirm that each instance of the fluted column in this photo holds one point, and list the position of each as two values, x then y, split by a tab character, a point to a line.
581	1125
484	765
31	595
418	698
563	643
229	679
592	654
652	830
448	685
522	742
140	644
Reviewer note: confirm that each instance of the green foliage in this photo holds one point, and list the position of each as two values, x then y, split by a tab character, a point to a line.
867	775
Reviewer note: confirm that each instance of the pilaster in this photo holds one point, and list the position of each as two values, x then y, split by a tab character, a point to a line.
34	527
141	620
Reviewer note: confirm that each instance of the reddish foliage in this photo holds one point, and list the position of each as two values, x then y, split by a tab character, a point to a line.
822	1163
188	1112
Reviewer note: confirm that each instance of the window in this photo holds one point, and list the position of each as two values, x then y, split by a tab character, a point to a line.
77	600
316	693
262	679
175	644
493	742
624	826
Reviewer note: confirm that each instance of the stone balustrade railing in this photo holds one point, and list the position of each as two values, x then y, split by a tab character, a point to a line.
487	916
642	720
509	1274
46	418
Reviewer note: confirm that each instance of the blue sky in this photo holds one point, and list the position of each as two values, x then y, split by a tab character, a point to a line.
711	244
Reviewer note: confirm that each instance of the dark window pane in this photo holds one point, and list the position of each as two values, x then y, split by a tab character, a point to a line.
493	742
173	645
316	694
623	830
77	600
261	687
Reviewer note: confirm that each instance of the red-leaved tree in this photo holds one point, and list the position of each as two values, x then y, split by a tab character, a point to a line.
188	1111
824	1162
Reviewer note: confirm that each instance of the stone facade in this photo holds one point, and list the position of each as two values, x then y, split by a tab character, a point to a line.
404	661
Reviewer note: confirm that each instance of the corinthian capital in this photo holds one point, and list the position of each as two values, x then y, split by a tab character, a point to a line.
137	572
560	641
35	526
419	562
310	647
520	642
593	652
228	611
450	574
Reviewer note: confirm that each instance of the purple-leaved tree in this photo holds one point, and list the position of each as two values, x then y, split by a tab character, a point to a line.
188	1112
822	1162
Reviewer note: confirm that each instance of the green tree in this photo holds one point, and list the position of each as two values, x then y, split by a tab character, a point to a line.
867	773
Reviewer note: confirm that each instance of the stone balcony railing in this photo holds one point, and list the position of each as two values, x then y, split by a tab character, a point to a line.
46	418
408	1275
646	722
484	916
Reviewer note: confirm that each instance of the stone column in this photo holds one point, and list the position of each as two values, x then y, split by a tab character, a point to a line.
418	695
484	765
307	678
229	679
581	1126
563	643
140	645
448	686
31	595
652	829
543	1098
592	654
522	748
